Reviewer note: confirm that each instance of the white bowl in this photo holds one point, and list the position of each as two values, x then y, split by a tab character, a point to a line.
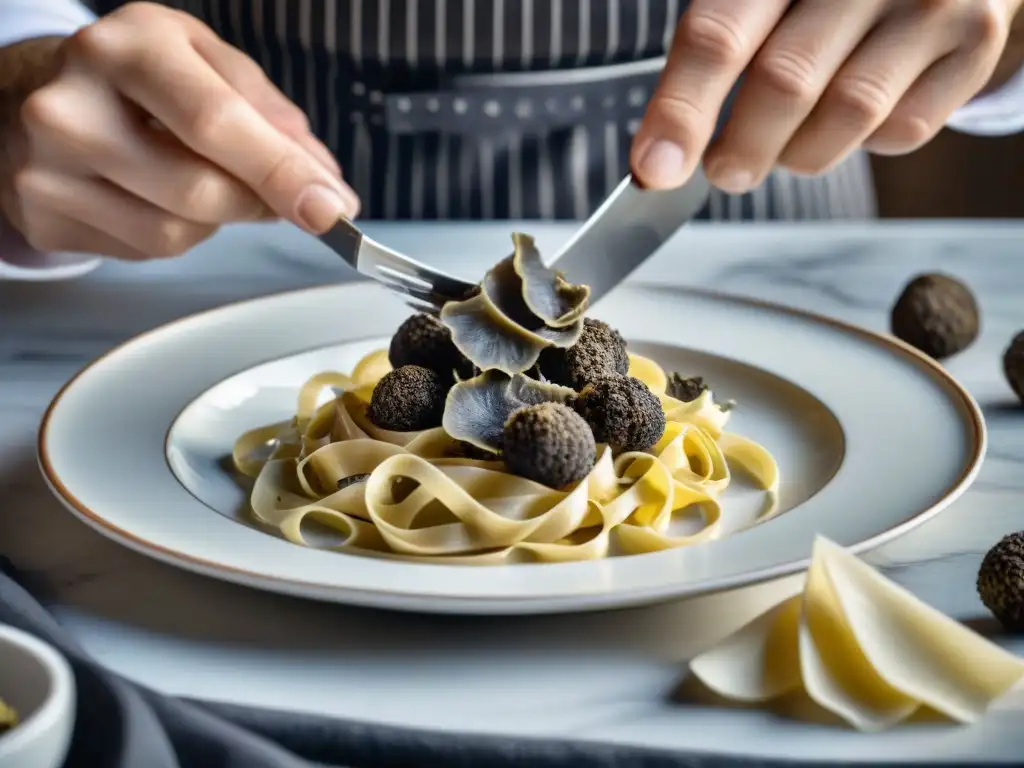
37	682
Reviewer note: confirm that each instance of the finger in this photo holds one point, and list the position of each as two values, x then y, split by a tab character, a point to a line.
865	91
781	87
139	224
713	44
187	96
942	89
59	234
246	77
83	124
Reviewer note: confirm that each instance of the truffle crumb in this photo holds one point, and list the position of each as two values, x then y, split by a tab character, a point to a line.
622	412
600	351
685	388
937	314
345	482
549	444
408	399
1001	581
425	341
1013	365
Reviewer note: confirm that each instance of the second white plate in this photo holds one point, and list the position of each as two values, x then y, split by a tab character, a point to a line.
871	438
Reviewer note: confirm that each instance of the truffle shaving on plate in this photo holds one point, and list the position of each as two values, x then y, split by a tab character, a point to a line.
510	429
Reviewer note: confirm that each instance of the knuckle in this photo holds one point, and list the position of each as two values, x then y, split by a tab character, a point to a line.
210	121
204	194
863	99
902	133
28	184
988	26
789	73
172	236
714	37
680	118
46	109
287	172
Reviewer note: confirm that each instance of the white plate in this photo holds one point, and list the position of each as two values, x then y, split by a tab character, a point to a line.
871	438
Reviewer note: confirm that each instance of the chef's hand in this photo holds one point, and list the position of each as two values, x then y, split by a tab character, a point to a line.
154	132
823	77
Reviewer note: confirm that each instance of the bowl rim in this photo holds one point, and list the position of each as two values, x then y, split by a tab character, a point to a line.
59	678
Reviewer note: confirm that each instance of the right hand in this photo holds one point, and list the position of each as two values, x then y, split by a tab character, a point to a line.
153	134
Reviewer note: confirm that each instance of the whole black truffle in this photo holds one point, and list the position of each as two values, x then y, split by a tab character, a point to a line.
1013	365
622	412
425	341
685	388
1001	581
600	350
549	444
937	314
408	399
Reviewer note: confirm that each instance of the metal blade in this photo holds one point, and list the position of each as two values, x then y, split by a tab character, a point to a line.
630	226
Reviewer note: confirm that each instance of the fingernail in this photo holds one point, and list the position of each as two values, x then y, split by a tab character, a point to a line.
731	178
319	208
662	164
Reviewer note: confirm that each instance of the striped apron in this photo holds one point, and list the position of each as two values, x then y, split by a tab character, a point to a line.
489	109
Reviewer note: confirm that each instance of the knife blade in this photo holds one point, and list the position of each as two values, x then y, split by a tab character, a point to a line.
628	228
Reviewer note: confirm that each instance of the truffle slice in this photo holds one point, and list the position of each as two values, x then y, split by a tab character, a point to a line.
550	444
477	409
495	329
1001	581
622	412
936	314
425	341
546	293
408	399
685	389
600	351
1013	365
8	717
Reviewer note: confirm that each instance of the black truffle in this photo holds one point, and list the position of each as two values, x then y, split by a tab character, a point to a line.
1001	581
549	444
685	388
937	314
600	351
1013	365
425	341
408	399
464	450
622	412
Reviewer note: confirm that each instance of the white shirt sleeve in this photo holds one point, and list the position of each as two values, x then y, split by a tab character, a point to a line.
1000	113
23	20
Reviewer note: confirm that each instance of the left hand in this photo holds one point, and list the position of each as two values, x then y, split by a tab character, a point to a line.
822	77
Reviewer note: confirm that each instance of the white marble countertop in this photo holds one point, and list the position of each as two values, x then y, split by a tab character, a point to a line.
606	676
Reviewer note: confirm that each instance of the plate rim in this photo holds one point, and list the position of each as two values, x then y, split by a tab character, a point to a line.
521	604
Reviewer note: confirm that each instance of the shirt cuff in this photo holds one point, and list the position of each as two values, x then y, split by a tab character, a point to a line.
1000	113
18	261
25	19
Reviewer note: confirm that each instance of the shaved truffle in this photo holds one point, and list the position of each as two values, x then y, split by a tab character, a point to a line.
477	409
937	314
408	399
549	444
425	341
622	412
685	388
600	351
1001	581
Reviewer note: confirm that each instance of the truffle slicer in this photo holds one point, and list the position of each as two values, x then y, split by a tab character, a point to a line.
629	227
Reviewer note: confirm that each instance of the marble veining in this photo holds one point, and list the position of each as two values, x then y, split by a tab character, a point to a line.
603	676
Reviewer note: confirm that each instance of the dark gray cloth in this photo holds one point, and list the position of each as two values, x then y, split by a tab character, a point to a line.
124	725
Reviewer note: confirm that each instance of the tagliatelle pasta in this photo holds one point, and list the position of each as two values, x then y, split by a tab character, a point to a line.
413	495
